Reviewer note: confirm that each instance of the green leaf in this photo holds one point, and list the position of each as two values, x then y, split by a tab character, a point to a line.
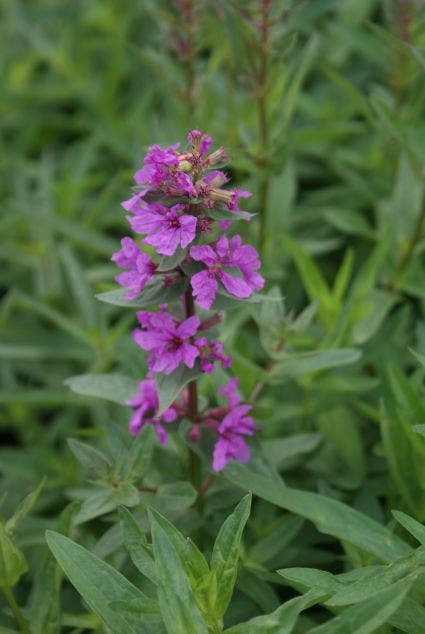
138	458
12	561
170	262
271	320
281	621
366	617
176	600
106	500
297	365
98	583
143	610
225	555
171	497
137	545
280	450
152	295
45	609
191	558
329	515
24	507
112	387
93	460
411	525
169	386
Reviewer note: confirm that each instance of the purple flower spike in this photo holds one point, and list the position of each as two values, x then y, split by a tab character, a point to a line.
231	445
140	264
228	254
166	339
209	353
145	405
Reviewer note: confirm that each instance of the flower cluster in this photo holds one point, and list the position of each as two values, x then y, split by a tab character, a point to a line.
182	212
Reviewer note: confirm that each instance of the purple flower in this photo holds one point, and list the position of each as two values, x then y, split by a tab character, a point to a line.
245	257
200	142
166	229
162	170
146	405
133	203
211	352
229	391
166	339
140	264
232	255
231	445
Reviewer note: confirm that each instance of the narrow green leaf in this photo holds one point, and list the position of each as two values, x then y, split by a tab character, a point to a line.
137	545
112	387
191	557
24	507
176	600
411	525
12	560
281	621
154	294
329	515
98	583
297	365
366	617
225	555
93	460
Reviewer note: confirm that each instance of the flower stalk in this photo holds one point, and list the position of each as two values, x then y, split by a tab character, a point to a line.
184	212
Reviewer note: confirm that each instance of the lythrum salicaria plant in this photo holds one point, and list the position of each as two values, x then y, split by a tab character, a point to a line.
184	213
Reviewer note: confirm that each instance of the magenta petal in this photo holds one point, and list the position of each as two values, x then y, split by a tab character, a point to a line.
187	230
235	285
203	254
222	246
189	354
136	422
204	288
219	455
188	327
161	433
166	240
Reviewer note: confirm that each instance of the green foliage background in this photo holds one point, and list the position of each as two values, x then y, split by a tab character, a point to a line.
324	122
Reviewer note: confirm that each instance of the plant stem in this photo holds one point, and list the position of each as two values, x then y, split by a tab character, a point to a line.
20	619
263	123
188	15
195	466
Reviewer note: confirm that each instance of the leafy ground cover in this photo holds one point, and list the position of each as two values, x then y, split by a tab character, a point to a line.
321	106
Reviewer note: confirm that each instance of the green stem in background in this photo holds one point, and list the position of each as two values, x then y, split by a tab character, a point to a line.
20	619
407	254
263	122
187	10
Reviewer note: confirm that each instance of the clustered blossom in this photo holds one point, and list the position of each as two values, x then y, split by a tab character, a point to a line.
182	212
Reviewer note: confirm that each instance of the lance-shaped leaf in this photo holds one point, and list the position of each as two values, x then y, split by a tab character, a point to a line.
176	600
96	463
281	621
137	545
112	387
12	560
225	555
366	617
98	583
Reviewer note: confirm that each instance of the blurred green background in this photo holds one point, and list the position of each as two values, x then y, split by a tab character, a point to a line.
321	107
